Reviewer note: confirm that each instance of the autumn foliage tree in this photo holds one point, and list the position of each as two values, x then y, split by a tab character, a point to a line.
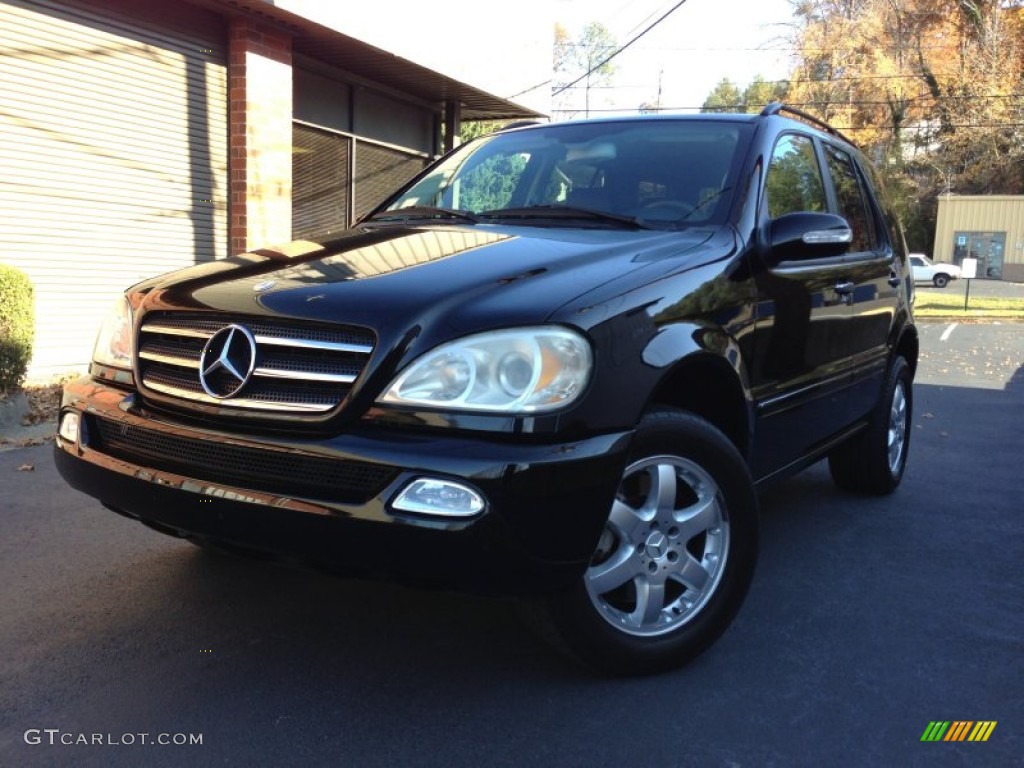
932	89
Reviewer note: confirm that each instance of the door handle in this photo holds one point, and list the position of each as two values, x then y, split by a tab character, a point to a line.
845	292
895	281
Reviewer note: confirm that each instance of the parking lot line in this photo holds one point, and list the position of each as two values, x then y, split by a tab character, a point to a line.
946	333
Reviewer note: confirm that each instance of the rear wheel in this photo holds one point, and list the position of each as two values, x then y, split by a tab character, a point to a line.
675	558
940	280
873	461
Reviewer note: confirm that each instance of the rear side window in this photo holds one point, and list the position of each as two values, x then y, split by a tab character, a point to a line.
852	201
794	177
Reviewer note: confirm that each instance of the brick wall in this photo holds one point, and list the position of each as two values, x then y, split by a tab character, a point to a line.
260	105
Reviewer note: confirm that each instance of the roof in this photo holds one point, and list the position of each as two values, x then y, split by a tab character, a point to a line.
374	64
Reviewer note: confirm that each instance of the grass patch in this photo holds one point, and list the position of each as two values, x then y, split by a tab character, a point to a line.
933	305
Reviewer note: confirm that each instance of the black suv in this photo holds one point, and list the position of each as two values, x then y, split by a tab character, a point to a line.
556	365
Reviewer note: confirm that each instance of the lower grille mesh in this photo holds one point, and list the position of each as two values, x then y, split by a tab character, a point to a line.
277	472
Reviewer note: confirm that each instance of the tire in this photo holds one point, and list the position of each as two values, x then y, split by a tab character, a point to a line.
873	461
676	556
941	280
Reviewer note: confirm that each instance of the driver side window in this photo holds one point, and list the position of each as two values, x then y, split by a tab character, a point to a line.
794	177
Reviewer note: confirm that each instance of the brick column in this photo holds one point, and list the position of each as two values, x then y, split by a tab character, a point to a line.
260	96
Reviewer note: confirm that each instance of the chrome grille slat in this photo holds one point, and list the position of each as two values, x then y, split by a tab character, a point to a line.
278	373
300	368
327	346
171	330
171	353
238	402
180	362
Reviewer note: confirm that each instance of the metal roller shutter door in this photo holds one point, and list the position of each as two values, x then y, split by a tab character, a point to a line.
113	157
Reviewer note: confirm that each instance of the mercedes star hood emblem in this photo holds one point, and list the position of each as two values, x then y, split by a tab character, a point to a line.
227	362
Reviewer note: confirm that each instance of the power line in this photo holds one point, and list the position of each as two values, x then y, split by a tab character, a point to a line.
784	81
740	107
923	96
775	49
615	53
646	18
531	88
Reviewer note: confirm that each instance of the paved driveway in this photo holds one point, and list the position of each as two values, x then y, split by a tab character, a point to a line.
868	619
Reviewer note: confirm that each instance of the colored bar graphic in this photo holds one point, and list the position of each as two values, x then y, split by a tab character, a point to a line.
982	730
958	730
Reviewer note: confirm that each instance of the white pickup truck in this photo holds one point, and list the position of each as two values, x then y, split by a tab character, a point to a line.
927	271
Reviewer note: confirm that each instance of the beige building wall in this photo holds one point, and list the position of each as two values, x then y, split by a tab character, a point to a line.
981	214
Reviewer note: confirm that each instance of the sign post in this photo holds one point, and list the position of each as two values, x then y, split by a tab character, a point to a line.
968	270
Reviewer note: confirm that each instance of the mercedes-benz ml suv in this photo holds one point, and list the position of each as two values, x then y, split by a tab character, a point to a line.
556	365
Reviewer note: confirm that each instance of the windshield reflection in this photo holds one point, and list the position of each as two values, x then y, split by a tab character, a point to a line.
648	172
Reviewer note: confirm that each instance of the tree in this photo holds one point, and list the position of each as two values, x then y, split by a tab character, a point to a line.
581	64
929	88
761	92
727	97
470	129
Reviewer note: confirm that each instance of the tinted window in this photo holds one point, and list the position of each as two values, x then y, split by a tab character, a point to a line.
661	171
850	197
794	178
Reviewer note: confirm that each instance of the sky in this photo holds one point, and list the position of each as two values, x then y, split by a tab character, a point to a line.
690	51
505	48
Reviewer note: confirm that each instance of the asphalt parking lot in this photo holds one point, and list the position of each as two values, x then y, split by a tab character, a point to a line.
868	620
998	289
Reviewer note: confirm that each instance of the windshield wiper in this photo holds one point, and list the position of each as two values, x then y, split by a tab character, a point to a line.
706	202
562	212
417	212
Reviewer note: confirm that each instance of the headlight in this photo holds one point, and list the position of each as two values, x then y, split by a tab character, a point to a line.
522	370
114	342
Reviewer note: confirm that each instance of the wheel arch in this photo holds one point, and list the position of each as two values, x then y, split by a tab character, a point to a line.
908	346
708	386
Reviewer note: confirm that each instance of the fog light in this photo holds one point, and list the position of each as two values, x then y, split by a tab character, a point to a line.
69	426
440	498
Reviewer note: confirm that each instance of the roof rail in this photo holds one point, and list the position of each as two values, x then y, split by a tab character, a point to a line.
775	107
518	124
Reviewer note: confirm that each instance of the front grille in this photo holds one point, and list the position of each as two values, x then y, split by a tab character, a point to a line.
298	367
272	471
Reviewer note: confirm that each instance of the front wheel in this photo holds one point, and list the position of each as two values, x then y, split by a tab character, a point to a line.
941	281
676	556
874	460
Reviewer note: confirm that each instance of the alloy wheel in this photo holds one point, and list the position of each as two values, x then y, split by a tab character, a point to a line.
663	550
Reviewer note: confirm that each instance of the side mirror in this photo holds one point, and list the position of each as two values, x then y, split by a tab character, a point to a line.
803	236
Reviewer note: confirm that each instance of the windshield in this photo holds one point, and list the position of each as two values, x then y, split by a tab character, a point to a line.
652	172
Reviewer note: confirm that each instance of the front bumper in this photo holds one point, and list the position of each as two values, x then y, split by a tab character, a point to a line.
326	501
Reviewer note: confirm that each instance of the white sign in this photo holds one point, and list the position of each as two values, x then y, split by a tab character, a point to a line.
969	268
962	240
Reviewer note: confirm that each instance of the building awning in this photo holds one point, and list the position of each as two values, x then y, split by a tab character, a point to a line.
373	64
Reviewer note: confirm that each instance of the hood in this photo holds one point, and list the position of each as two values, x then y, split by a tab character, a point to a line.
451	280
